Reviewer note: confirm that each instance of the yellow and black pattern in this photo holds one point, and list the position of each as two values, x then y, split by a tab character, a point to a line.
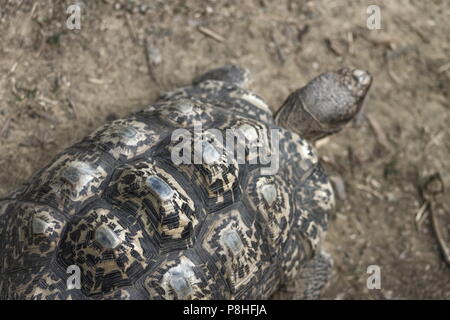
139	226
168	217
225	95
74	178
106	264
235	245
215	175
125	139
31	232
269	196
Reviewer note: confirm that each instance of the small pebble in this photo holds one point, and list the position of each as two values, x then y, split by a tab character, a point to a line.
154	55
143	8
339	187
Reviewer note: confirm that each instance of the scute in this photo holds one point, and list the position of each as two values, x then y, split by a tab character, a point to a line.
231	241
74	178
184	278
107	248
30	234
126	138
184	106
151	194
269	193
249	132
78	174
210	154
228	96
253	139
186	112
270	198
179	280
314	200
216	177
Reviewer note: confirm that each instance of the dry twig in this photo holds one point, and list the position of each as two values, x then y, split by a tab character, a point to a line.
150	64
433	187
211	34
379	132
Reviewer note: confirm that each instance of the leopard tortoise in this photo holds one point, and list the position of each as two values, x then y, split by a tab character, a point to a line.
138	223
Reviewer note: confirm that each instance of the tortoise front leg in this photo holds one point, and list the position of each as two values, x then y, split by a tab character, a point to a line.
229	73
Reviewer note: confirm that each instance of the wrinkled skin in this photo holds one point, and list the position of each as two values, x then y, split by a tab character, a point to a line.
325	104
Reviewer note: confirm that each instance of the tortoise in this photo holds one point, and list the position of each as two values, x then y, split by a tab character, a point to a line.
129	210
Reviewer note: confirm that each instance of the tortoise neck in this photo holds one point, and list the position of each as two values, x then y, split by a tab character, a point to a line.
294	116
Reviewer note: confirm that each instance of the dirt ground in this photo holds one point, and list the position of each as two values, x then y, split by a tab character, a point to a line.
57	85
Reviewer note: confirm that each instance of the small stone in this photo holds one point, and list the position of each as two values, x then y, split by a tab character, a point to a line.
154	55
143	8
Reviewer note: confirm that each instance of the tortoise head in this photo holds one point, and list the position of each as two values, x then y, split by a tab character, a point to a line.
325	104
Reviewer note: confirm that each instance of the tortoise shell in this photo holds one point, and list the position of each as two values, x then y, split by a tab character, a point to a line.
139	225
